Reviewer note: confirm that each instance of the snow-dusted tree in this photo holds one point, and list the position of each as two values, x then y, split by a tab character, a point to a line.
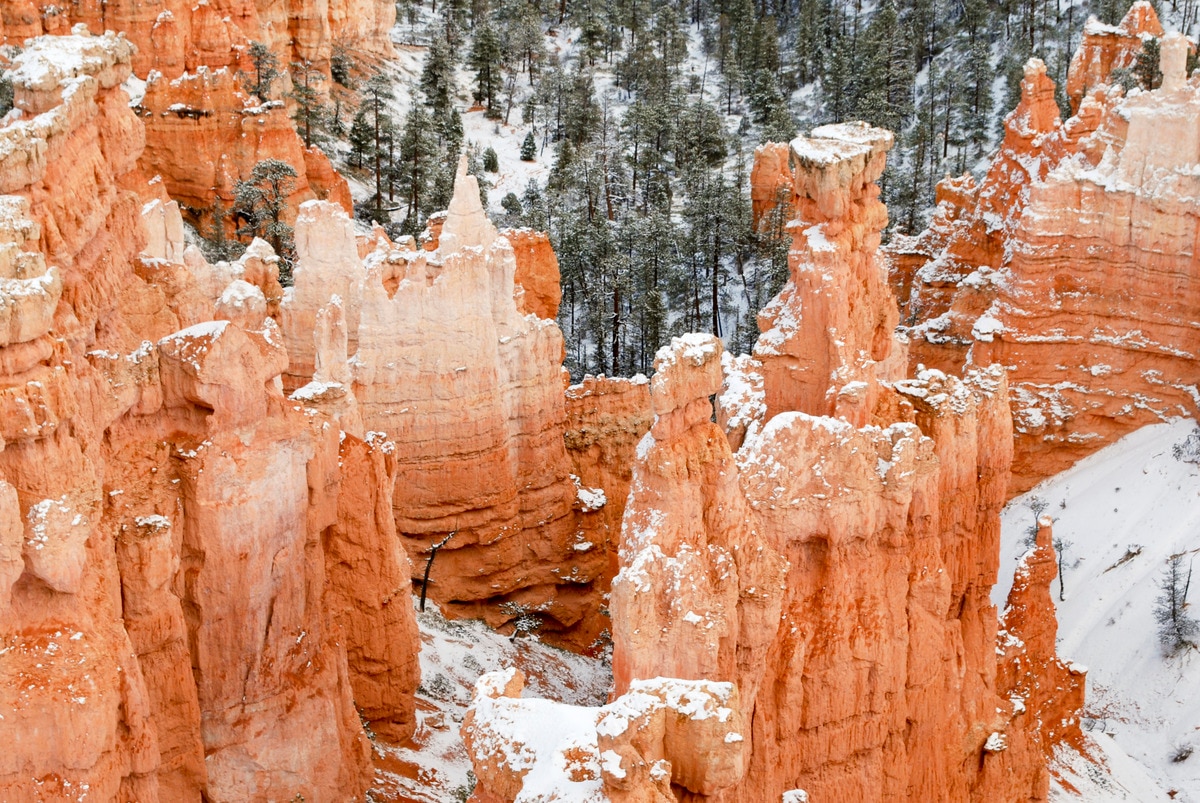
260	201
437	77
513	212
1146	67
217	245
533	204
264	70
376	121
528	148
415	168
341	65
1177	629
310	114
6	94
484	59
525	618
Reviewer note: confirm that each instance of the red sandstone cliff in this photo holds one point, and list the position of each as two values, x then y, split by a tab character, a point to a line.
835	570
458	364
173	527
1077	275
202	132
177	36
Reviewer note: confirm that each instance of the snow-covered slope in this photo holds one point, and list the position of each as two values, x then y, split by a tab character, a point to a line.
435	767
1121	513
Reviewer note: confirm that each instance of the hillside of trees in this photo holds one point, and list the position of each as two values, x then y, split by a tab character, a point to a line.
648	115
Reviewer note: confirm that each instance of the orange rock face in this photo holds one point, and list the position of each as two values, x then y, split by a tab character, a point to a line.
174	36
1048	691
835	570
1086	287
1105	48
170	629
846	329
770	181
536	274
606	417
203	134
370	589
955	262
469	387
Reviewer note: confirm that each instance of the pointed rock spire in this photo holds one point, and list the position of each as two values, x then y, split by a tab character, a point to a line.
466	222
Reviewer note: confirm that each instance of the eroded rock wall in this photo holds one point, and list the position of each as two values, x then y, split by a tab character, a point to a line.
177	36
204	134
836	278
456	362
1085	288
167	625
835	569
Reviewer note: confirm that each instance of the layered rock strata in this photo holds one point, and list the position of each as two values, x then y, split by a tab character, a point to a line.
446	357
204	134
1085	290
606	418
846	329
176	36
168	516
835	570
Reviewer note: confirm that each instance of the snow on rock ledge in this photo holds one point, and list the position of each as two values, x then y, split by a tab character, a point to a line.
661	732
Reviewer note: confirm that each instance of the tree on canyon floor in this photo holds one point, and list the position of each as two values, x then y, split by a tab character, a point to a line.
259	203
1177	629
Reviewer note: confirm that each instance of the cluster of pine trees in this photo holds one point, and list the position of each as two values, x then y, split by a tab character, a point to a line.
648	115
649	197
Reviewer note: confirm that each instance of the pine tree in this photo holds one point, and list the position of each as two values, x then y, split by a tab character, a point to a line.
1176	628
377	91
534	206
260	202
362	141
341	65
217	245
310	114
884	89
437	77
6	94
491	162
264	71
485	61
582	114
528	148
415	168
1146	67
513	212
701	140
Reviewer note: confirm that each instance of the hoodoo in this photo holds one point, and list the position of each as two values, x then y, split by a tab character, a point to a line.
369	436
171	631
1085	287
834	571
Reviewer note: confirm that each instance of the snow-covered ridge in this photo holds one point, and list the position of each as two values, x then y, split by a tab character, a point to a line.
1120	514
